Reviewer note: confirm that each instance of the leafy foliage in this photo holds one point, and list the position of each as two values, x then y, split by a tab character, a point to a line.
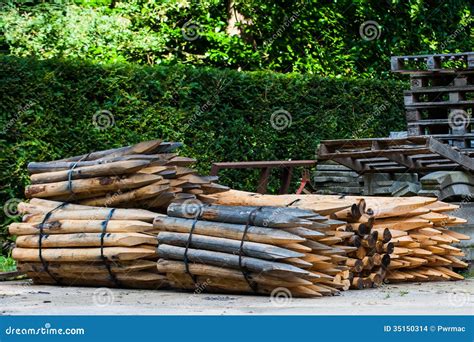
321	37
7	264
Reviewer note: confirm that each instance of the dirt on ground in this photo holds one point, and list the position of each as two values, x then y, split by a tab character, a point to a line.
440	298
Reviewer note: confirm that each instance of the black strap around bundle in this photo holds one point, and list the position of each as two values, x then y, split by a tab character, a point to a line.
71	169
243	269
293	202
188	243
40	242
106	261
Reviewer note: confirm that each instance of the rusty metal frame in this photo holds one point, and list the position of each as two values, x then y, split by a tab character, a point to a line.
266	167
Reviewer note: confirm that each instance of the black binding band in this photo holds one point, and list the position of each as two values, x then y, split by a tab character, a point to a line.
106	261
188	243
291	203
71	169
40	241
243	269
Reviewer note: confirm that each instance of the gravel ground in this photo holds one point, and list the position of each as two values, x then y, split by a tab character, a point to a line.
441	298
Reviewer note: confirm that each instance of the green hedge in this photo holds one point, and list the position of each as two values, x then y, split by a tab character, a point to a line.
47	109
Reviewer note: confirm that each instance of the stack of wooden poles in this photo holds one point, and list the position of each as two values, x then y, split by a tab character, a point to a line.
246	249
368	263
238	242
423	245
413	230
70	244
146	175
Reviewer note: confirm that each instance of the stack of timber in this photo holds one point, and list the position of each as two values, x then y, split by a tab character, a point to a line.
418	228
70	244
332	178
423	245
391	184
254	250
440	101
146	175
368	264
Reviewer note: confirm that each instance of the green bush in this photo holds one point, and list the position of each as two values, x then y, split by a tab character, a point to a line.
321	37
48	108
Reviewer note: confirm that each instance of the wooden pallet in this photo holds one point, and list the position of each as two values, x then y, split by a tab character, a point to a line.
414	154
458	138
463	141
428	80
439	129
435	104
463	89
432	62
443	95
433	113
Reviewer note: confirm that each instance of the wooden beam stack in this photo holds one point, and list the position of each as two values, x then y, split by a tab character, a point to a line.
70	244
423	245
146	175
417	228
246	249
368	263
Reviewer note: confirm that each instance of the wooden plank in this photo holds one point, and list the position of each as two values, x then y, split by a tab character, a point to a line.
351	163
374	153
383	155
451	154
368	142
429	122
463	103
440	89
404	160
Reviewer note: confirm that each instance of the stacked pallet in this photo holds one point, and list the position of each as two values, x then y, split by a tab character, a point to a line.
244	249
146	175
421	243
421	154
70	244
440	101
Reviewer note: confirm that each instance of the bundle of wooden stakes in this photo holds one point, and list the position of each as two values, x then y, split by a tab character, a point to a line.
423	250
70	244
413	230
146	175
252	250
368	264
